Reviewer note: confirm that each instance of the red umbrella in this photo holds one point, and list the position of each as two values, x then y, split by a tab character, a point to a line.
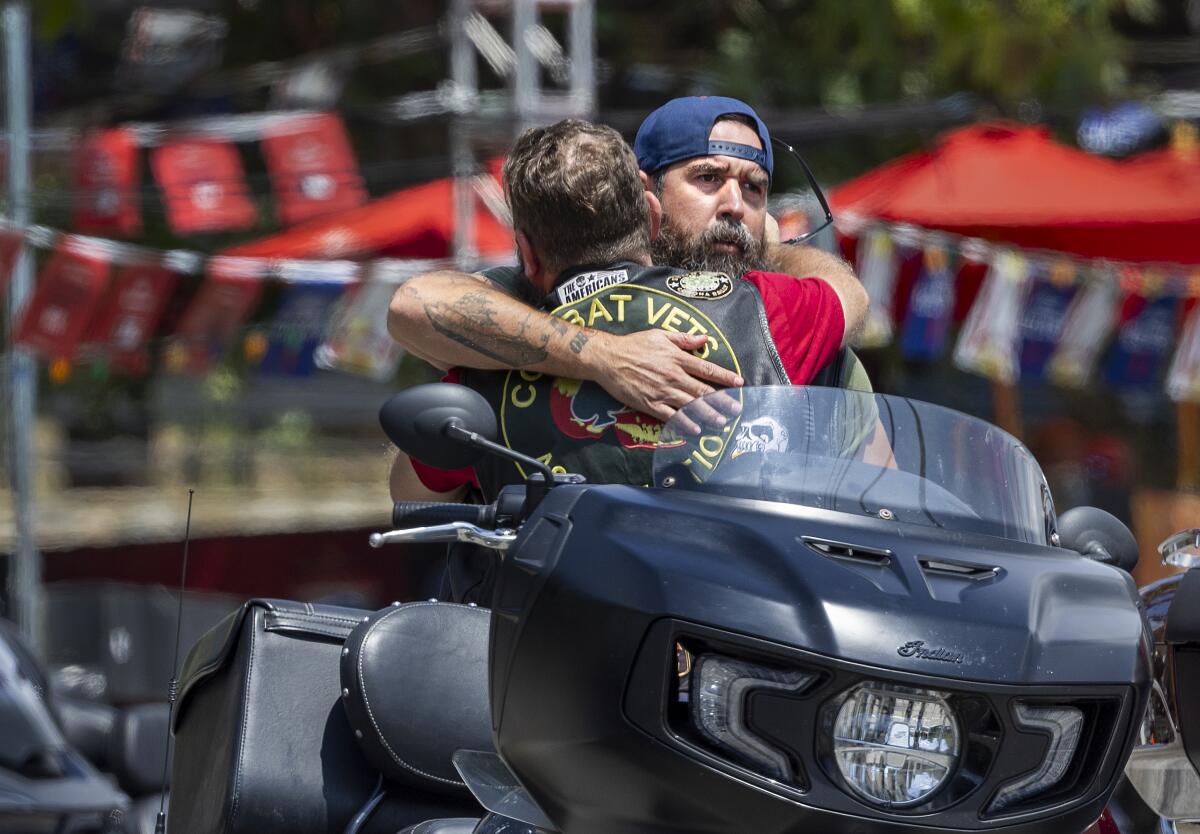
416	222
1015	184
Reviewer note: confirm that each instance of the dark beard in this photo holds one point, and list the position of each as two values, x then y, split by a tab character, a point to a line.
675	248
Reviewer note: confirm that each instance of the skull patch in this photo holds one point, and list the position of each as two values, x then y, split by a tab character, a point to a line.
762	434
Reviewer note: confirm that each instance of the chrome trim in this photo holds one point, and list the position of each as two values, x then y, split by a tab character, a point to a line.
459	531
1182	549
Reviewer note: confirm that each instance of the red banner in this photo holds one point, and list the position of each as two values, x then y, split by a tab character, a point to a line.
68	288
312	168
107	183
130	313
225	300
204	186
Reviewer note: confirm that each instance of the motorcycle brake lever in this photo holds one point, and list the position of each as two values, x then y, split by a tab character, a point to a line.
461	531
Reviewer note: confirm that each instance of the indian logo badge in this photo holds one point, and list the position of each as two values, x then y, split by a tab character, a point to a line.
917	648
703	285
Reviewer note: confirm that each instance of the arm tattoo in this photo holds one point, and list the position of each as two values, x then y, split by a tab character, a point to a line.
581	339
472	323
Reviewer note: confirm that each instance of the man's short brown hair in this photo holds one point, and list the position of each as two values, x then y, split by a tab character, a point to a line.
575	193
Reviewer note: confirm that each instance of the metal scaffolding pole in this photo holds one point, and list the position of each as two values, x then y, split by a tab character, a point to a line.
25	565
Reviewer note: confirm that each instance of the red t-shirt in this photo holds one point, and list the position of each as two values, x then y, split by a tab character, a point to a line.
806	323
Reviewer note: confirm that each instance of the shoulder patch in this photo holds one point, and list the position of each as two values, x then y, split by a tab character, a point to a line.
703	285
586	283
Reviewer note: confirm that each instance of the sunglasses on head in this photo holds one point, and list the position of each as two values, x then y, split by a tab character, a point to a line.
820	195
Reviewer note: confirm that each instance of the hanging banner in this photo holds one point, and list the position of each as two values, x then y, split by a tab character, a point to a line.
68	288
877	269
931	306
1052	289
312	168
107	184
1145	334
227	297
358	339
975	256
1086	328
987	344
129	315
204	186
296	329
1183	377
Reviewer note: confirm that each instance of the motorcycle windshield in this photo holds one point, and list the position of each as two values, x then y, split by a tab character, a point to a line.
868	454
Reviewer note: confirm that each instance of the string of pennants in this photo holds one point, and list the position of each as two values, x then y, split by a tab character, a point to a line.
309	160
1024	314
1019	314
113	302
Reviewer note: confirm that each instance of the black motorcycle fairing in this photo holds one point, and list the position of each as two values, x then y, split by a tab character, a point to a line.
414	681
988	613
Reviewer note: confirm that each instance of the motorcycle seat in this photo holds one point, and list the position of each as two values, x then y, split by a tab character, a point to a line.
140	737
414	686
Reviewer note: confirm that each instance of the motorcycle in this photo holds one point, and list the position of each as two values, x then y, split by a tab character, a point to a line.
832	611
1164	767
71	765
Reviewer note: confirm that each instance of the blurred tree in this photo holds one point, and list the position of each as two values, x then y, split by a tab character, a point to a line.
843	53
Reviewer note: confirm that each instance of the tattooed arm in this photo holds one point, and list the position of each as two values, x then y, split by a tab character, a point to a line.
453	319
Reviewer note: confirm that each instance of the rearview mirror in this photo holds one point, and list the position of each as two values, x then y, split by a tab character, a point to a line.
1098	535
417	420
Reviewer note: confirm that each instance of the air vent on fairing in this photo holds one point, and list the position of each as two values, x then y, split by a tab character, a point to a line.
957	570
850	552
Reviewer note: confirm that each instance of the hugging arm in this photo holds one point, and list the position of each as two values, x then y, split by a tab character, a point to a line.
454	319
806	261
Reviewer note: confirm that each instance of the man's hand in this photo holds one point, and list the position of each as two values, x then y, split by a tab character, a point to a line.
809	261
652	371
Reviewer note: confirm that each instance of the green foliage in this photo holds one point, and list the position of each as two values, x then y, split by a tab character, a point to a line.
844	53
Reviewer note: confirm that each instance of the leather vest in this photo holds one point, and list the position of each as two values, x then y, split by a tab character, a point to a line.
576	426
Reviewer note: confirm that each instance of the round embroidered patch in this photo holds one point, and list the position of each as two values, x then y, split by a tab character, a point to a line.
706	285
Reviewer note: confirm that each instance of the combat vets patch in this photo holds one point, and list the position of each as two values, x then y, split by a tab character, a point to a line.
703	285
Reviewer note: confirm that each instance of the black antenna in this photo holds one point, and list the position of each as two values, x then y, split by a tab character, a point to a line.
160	823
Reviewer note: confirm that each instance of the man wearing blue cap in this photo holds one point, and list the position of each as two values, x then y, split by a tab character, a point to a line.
708	162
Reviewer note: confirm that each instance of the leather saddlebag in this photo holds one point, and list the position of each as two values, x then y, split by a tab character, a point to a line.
262	744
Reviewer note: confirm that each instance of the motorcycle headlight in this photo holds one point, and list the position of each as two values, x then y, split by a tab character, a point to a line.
895	746
720	687
1063	725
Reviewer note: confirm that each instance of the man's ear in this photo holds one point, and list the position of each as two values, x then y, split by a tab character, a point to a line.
529	258
656	213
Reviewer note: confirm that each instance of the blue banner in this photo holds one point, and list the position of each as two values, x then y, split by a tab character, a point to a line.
930	308
1042	323
297	328
1143	344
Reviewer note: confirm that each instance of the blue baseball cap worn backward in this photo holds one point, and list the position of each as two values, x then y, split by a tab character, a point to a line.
679	130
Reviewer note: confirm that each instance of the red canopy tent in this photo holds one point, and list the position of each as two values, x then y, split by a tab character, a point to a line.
415	222
1015	184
